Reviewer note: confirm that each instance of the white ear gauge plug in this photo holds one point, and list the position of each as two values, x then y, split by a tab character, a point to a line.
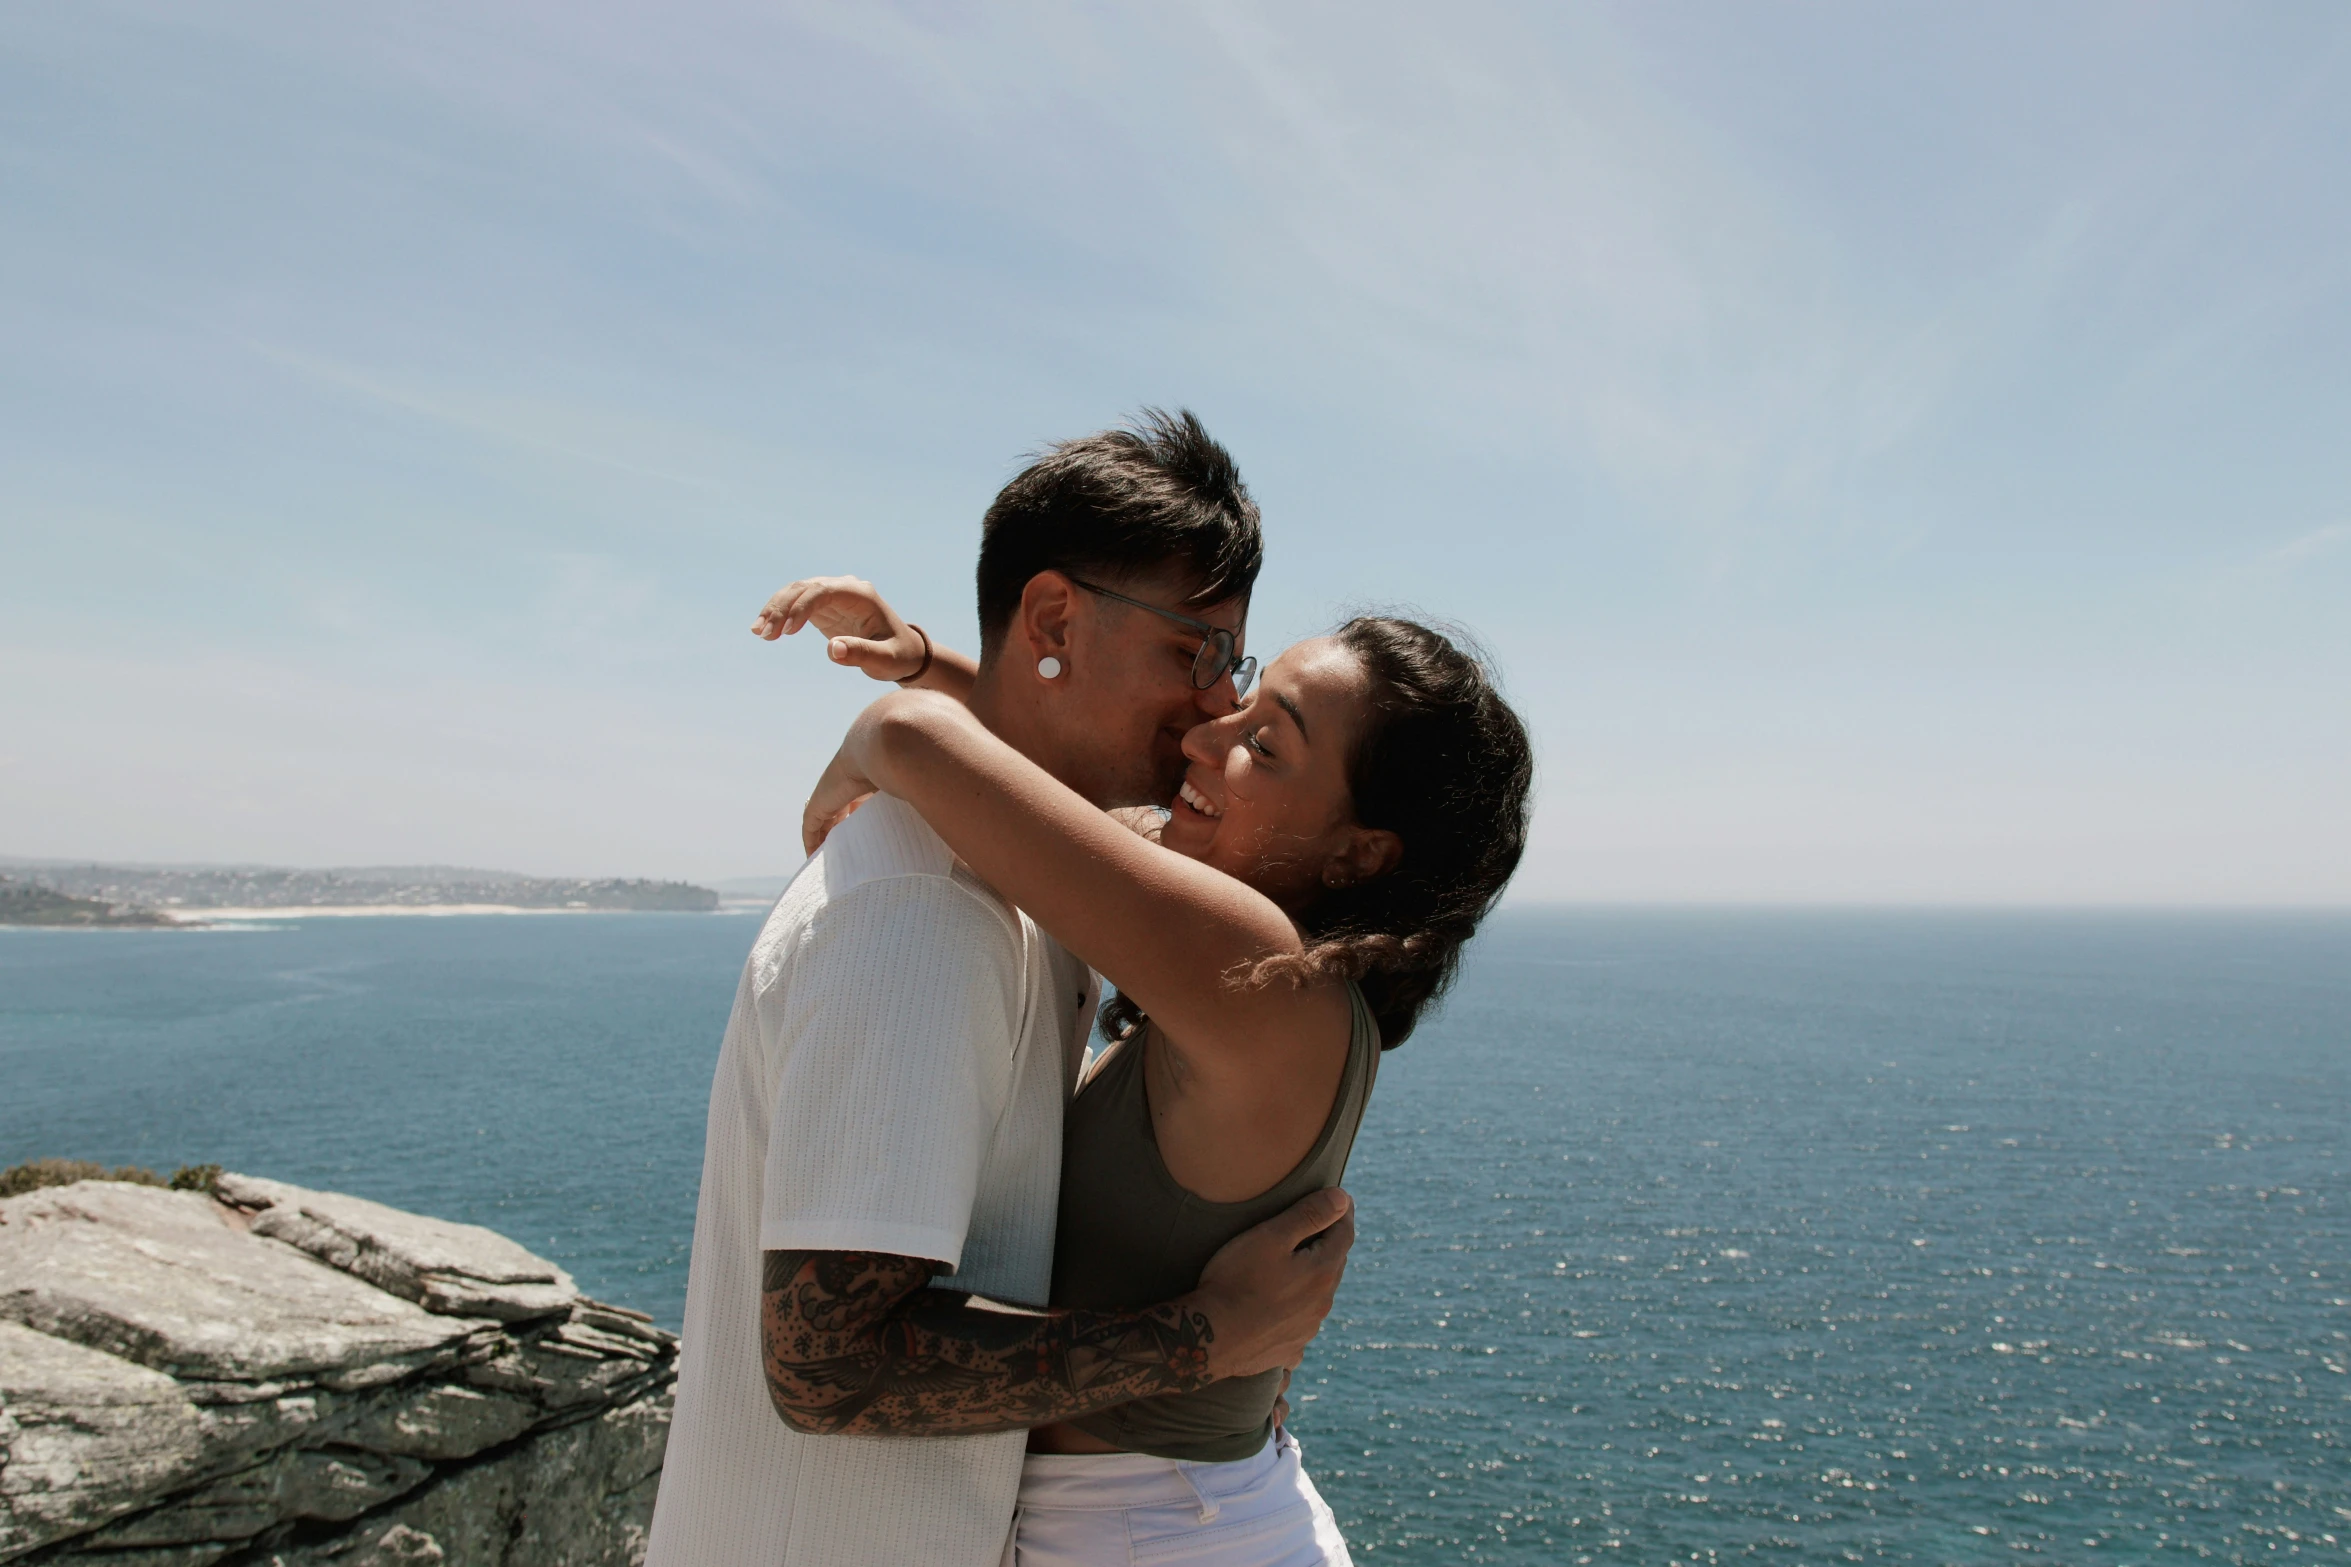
1049	668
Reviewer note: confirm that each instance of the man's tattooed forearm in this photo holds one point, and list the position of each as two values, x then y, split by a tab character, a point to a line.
854	1342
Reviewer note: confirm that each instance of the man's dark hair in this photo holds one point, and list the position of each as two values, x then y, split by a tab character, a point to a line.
1122	504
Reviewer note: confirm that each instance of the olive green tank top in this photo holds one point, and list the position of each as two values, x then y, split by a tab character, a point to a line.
1131	1236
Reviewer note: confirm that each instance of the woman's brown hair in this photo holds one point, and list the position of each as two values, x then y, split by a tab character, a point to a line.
1446	766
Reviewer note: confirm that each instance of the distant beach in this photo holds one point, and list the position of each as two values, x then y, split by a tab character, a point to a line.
268	912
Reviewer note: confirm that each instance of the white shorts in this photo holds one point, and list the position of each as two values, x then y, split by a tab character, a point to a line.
1117	1509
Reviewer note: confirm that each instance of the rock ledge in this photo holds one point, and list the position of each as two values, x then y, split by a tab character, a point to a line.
289	1378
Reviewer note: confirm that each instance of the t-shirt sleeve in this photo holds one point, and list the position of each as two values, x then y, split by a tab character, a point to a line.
896	1023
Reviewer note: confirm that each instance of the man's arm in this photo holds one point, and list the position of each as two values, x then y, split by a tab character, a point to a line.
856	1343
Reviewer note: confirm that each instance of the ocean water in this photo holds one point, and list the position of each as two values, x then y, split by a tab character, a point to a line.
1686	1237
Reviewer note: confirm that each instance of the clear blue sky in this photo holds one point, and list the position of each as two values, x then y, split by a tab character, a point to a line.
1896	452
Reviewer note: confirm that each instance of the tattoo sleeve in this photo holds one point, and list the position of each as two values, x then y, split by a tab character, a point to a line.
857	1343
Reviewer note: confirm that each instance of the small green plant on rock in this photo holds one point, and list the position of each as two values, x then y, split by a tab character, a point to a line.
34	1174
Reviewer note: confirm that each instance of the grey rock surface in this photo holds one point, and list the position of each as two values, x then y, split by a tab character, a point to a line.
455	1269
87	1436
170	1281
579	1497
289	1376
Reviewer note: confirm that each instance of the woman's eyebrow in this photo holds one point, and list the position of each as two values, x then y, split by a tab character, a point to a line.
1290	707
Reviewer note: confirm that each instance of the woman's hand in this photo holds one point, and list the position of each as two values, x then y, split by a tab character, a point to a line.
843	788
1144	821
869	762
861	629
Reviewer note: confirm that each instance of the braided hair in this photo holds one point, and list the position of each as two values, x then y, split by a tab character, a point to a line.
1445	765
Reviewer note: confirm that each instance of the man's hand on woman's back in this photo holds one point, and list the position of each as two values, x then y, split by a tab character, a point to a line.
1267	1290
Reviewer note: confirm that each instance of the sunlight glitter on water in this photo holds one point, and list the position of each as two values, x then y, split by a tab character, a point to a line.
1639	1277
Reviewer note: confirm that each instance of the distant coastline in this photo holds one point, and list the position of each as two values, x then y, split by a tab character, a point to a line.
340	911
23	903
93	895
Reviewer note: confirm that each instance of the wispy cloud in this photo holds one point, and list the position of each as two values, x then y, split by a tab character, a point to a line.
596	438
2309	546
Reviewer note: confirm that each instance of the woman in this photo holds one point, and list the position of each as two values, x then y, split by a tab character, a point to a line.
1335	841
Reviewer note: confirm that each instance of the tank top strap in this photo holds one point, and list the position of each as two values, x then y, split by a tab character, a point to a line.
1328	1162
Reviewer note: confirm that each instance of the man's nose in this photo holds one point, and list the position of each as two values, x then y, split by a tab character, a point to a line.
1219	699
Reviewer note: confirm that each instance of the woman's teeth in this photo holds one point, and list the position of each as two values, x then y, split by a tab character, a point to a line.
1193	798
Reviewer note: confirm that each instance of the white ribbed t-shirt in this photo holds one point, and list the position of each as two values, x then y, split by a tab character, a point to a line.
892	1080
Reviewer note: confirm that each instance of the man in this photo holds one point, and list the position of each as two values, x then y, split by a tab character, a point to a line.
887	1106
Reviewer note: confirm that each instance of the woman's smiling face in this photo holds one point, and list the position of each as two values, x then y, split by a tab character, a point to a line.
1266	797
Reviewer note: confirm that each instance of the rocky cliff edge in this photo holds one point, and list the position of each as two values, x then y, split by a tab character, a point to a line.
275	1377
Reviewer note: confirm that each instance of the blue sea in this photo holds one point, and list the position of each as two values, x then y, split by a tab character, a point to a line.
1688	1237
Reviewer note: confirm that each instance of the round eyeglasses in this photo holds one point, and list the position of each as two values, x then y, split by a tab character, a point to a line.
1217	647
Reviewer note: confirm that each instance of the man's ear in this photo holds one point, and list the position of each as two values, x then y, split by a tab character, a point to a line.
1048	606
1370	851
